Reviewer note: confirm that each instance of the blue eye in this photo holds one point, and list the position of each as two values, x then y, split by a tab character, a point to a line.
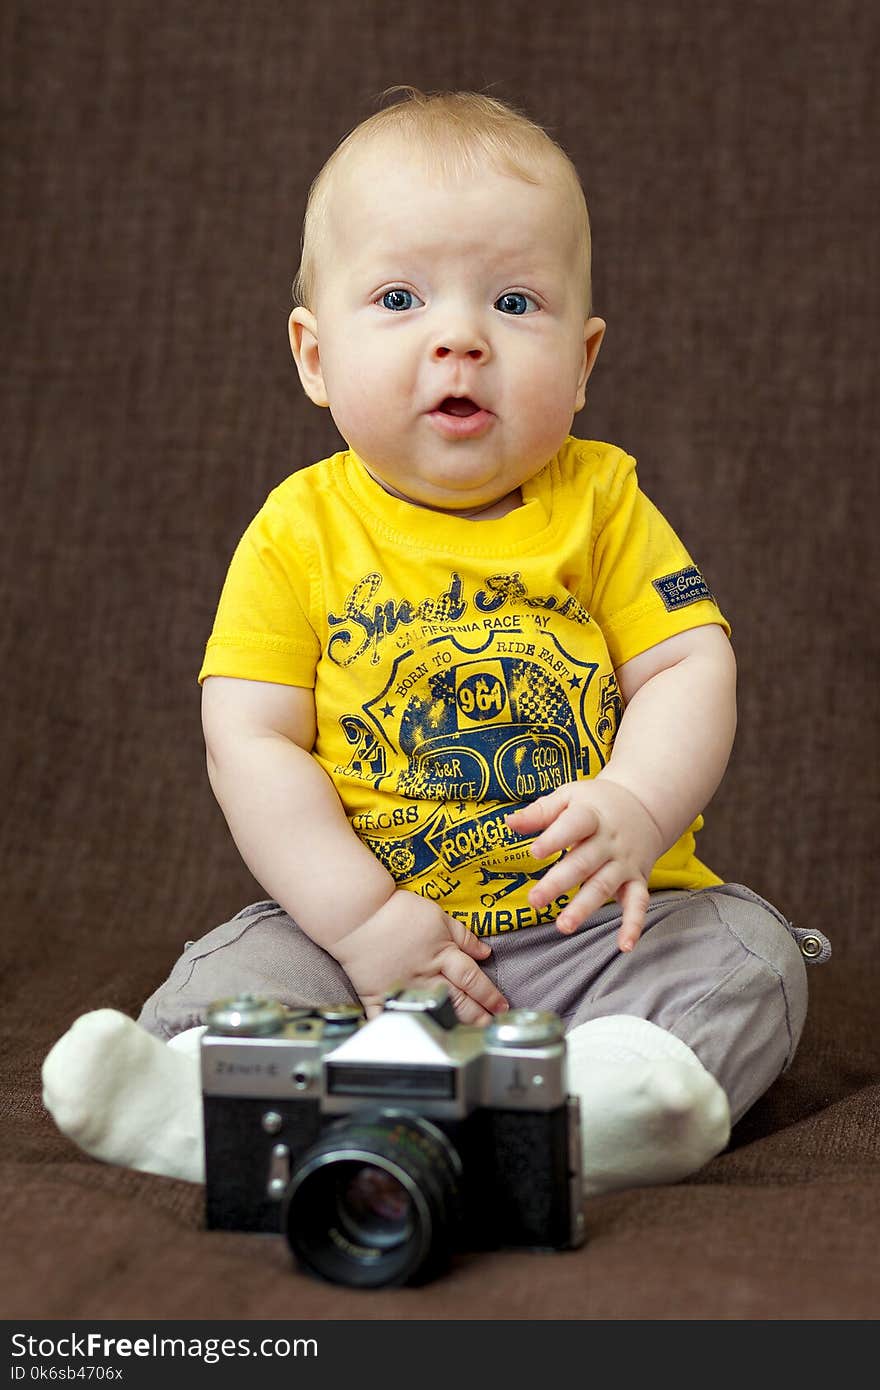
398	299
514	302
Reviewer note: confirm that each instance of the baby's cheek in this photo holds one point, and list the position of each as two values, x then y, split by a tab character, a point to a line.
548	405
357	404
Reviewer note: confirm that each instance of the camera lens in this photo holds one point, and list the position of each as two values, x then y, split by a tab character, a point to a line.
373	1207
375	1201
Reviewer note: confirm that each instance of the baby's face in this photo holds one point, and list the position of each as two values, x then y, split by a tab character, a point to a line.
449	337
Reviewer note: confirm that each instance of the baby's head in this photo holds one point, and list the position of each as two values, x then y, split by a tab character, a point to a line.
444	299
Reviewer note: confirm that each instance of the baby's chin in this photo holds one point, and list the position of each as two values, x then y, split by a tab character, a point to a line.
489	511
477	504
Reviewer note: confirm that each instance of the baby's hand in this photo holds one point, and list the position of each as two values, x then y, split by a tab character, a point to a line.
612	845
412	941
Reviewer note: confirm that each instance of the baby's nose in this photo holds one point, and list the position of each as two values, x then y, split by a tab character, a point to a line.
461	342
475	353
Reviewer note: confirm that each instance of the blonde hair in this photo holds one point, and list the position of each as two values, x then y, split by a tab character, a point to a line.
457	132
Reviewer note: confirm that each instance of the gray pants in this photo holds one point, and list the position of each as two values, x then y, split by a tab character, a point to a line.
720	968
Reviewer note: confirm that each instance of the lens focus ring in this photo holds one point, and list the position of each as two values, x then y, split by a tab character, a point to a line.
375	1201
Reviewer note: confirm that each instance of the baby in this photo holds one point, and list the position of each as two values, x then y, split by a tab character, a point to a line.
467	693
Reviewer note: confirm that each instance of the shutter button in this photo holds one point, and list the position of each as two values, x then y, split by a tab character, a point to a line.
811	947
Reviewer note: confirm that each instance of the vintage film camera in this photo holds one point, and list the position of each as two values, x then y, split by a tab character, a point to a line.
380	1148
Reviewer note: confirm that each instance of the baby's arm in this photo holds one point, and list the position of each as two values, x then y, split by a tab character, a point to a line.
290	828
668	758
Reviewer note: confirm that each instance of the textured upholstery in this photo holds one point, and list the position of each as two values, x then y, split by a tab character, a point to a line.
157	159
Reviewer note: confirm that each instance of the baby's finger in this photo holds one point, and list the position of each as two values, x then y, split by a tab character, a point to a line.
466	1011
539	813
569	872
594	894
472	945
466	975
634	898
571	827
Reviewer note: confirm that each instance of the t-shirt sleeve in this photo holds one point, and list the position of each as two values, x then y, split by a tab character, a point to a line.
262	630
645	585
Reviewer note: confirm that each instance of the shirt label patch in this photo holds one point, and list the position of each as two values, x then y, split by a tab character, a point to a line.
681	588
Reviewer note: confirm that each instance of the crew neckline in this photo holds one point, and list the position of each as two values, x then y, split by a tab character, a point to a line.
421	526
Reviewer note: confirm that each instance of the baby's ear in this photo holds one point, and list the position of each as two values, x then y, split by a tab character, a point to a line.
594	332
303	329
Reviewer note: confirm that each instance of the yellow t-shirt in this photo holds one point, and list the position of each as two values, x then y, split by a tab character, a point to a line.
460	668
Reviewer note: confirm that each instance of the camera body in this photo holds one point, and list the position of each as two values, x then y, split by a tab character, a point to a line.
380	1147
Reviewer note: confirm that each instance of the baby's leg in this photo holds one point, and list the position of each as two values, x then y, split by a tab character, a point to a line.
260	951
678	1039
127	1096
667	1045
670	1044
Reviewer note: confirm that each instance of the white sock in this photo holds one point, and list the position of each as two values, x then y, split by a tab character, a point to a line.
125	1097
650	1111
189	1043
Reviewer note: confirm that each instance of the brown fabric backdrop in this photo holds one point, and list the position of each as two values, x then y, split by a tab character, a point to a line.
157	160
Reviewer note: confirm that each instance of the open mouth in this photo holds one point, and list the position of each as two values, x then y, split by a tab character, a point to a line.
459	417
460	406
